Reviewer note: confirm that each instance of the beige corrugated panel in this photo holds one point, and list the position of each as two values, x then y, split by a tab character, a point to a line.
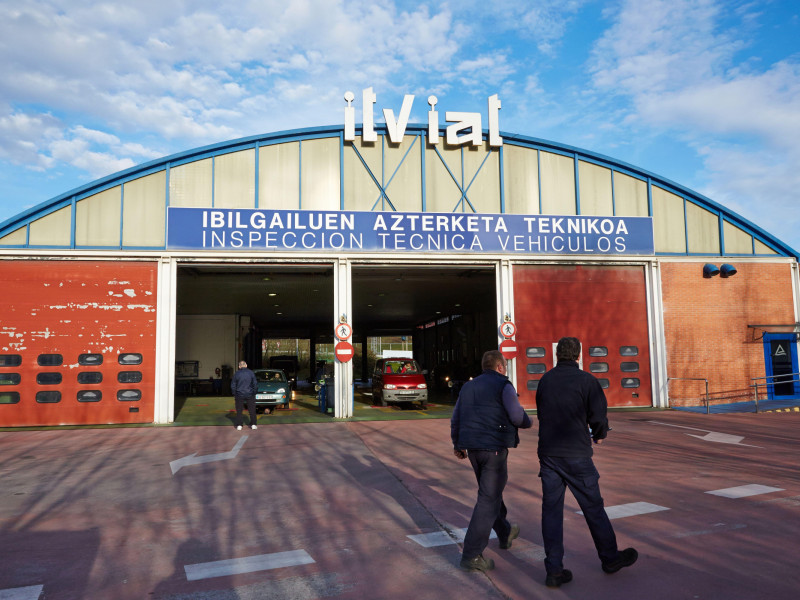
441	192
53	229
360	190
702	228
595	189
737	241
320	174
558	184
630	196
143	210
97	219
15	238
279	176
235	180
762	248
405	189
190	184
482	177
521	180
668	221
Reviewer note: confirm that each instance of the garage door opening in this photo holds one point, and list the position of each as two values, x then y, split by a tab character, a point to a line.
262	314
441	317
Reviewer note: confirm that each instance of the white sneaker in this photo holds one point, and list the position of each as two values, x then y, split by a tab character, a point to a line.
253	427
238	428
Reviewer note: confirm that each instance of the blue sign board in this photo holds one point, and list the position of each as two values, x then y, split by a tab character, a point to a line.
350	231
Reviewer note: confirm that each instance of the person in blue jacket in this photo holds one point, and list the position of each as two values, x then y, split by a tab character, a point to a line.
571	407
483	427
243	388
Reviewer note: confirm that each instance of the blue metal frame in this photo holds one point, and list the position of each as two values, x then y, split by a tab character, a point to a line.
26	217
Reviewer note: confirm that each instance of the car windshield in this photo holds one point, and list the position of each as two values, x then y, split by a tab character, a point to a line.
276	376
401	367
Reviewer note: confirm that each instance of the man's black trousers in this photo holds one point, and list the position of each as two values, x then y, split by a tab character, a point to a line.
491	471
581	476
251	408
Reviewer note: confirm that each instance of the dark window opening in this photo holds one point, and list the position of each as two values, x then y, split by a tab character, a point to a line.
90	396
536	368
50	360
9	397
10	378
130	358
129	395
10	360
48	378
629	367
90	377
629	351
598	351
630	382
603	383
48	397
535	352
598	367
129	376
533	384
90	359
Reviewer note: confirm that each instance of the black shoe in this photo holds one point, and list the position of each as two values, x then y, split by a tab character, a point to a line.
556	580
512	535
477	564
624	559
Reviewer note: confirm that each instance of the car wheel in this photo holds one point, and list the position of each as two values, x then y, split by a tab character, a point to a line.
383	401
423	405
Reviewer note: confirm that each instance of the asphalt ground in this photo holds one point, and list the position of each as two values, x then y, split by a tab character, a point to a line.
325	510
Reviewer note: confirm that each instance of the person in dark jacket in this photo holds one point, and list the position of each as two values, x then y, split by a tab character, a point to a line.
484	426
243	388
571	408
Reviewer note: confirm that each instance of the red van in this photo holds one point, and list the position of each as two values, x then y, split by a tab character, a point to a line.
399	380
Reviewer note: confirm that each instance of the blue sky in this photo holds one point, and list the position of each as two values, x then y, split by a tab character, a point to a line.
703	92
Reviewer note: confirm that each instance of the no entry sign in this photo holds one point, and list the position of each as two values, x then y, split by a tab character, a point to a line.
343	351
508	348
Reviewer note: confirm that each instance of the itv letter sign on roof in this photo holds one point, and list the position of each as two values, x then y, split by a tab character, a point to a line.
351	231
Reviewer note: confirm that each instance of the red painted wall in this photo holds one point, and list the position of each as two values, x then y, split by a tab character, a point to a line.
74	308
603	306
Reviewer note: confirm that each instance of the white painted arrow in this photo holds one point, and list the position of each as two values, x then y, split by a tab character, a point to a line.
711	436
193	459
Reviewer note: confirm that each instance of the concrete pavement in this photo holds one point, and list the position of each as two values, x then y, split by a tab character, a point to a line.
325	510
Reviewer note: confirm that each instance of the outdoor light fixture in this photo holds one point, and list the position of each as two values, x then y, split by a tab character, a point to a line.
710	270
727	270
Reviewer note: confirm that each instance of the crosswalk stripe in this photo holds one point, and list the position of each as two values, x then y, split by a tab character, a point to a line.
247	564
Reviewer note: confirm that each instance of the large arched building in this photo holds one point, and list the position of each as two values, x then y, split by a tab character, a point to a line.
449	235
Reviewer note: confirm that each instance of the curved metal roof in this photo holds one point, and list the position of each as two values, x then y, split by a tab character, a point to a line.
337	131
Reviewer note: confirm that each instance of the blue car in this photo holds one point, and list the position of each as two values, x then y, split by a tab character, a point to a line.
274	390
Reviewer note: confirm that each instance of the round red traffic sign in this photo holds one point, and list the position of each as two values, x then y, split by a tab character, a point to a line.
343	331
508	348
343	351
508	329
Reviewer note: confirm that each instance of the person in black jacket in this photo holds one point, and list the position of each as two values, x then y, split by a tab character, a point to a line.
571	408
484	426
243	388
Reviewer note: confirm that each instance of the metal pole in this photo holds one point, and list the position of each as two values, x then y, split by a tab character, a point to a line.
756	396
708	409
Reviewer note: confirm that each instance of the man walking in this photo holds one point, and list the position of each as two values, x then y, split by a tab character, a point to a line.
571	408
243	387
483	427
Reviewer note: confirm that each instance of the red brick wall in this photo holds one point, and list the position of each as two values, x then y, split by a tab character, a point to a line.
70	308
705	323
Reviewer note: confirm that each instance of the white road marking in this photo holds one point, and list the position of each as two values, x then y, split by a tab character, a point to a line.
711	436
31	592
631	510
442	538
193	459
743	491
248	564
